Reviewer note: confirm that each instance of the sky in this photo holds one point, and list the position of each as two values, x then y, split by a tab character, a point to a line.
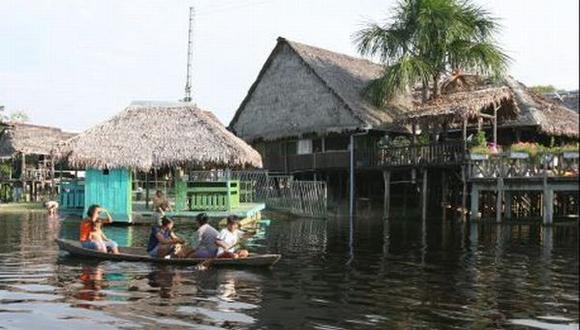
74	64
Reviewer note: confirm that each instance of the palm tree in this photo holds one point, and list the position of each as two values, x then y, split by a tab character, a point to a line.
427	39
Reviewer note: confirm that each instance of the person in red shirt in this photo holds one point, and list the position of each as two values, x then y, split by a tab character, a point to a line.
87	226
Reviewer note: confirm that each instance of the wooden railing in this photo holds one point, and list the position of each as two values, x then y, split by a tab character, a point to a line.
508	165
443	153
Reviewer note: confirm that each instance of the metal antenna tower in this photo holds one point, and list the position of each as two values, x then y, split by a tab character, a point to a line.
187	97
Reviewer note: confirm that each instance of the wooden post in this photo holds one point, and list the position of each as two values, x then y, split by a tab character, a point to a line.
23	175
464	192
351	178
508	204
548	198
474	209
499	199
444	194
479	124
387	195
52	184
495	125
464	134
147	190
424	196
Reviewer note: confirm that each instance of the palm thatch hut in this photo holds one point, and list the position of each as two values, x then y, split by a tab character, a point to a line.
32	143
307	100
516	111
148	136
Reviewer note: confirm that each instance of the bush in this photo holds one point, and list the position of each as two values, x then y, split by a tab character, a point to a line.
531	149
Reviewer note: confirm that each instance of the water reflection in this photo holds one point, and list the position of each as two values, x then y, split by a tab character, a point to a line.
403	273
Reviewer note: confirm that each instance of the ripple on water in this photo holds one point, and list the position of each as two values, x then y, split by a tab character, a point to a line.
452	276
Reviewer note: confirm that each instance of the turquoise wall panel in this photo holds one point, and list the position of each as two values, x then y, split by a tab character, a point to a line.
110	189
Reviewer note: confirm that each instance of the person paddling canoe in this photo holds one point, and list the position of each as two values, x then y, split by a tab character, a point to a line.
163	242
228	240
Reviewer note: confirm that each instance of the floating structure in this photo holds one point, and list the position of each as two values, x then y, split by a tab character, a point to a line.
167	139
307	116
26	149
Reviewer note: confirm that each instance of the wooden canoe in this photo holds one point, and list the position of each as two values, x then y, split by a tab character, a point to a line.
140	255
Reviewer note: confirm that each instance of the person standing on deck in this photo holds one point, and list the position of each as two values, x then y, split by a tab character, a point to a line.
206	239
161	203
228	240
88	225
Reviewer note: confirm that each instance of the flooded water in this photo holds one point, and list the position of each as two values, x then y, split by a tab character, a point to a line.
397	274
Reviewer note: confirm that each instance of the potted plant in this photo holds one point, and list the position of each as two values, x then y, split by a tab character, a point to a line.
523	150
479	152
478	147
569	151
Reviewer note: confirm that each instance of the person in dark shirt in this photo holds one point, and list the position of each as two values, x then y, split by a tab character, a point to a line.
163	243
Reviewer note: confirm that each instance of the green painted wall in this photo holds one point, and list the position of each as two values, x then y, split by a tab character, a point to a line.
110	189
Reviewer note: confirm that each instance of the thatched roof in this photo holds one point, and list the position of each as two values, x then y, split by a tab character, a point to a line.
303	89
462	104
549	116
519	107
146	136
30	139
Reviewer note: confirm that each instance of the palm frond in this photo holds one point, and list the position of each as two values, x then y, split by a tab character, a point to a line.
397	78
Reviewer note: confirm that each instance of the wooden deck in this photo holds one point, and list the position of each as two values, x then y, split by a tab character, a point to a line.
245	211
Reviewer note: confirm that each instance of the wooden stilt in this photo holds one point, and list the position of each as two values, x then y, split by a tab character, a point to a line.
147	190
464	192
508	204
424	196
499	199
474	209
387	194
548	197
444	192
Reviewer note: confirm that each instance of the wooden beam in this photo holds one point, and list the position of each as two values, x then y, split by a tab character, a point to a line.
474	209
484	115
464	134
464	192
444	194
146	190
495	126
424	196
499	200
387	194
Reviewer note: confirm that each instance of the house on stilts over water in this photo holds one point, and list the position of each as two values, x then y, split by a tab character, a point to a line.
29	169
307	116
147	143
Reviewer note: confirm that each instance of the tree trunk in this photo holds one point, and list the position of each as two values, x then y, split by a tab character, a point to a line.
436	86
425	92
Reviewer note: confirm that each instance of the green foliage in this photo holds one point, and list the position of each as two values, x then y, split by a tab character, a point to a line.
5	168
565	148
480	150
19	116
479	139
423	139
529	148
425	39
400	141
543	89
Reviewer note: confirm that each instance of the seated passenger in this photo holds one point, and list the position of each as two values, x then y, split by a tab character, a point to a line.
87	227
206	239
228	240
99	237
163	243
